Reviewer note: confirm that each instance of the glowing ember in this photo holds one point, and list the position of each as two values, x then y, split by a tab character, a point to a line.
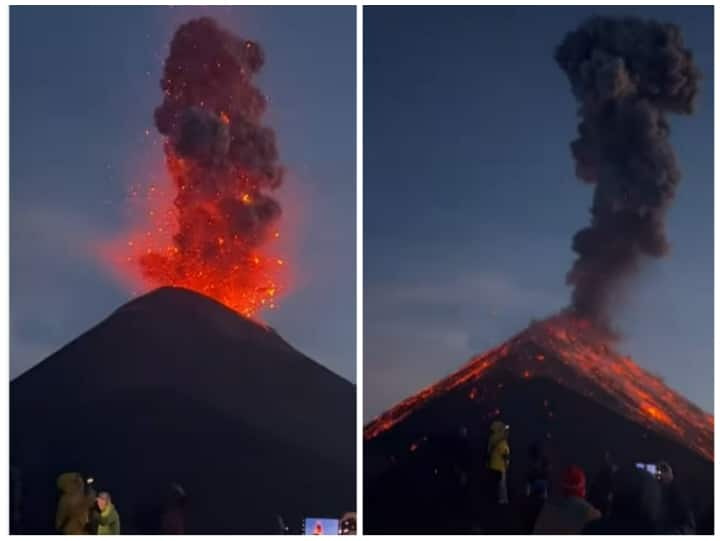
212	231
577	355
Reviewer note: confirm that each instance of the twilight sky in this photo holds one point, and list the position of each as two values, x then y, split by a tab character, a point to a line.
471	200
83	86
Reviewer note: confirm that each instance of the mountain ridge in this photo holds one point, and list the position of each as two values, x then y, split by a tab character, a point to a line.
565	348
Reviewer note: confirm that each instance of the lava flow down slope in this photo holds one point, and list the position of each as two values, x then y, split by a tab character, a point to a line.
558	381
174	387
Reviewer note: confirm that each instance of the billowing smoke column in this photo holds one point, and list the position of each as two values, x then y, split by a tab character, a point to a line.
224	165
627	75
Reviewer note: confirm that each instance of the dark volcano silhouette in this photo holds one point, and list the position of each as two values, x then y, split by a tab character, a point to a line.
174	387
558	383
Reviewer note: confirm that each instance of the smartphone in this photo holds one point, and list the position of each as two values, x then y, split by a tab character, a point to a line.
650	468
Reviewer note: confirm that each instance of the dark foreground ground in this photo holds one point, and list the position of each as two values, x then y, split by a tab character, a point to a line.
175	388
409	487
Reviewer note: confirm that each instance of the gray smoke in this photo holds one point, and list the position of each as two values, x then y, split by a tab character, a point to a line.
627	74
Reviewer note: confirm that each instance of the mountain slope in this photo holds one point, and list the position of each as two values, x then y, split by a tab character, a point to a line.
175	387
557	382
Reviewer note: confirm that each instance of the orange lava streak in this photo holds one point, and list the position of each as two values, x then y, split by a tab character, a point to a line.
562	341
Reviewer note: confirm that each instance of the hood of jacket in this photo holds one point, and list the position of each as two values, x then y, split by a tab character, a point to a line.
70	483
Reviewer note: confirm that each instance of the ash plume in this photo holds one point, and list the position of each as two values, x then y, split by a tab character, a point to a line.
224	165
627	74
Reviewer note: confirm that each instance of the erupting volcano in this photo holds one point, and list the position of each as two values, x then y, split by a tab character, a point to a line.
558	382
627	73
561	380
571	353
215	237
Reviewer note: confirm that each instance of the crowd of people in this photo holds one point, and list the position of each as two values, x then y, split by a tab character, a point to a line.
631	499
627	499
473	483
82	509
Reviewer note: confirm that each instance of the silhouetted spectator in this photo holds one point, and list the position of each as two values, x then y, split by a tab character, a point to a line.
676	516
570	513
457	468
348	524
636	506
172	521
464	457
537	485
450	455
601	490
537	480
499	460
462	471
73	507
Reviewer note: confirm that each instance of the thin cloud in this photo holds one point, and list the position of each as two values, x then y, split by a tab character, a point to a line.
47	308
418	332
478	288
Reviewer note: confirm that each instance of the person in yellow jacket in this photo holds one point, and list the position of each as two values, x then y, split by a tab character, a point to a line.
499	458
109	523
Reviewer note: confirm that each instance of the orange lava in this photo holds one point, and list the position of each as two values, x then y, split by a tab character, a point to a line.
213	228
247	277
579	356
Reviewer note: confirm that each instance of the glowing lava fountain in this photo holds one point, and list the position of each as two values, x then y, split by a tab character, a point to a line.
213	230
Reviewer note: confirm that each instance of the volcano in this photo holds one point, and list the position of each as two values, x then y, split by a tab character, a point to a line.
174	387
560	382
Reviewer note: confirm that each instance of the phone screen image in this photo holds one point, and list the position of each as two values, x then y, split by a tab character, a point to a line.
322	526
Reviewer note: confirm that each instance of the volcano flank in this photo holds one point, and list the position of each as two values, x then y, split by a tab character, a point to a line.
174	387
559	381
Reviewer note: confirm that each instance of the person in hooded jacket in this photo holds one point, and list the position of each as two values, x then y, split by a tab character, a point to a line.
570	513
601	489
636	505
109	519
499	459
677	516
73	508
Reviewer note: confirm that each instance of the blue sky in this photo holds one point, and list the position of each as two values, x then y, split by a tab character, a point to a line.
471	200
83	86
